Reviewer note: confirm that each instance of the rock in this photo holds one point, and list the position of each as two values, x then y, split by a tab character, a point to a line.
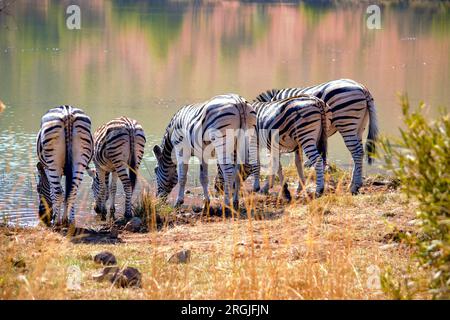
183	256
294	253
107	273
388	214
126	278
114	233
18	263
134	225
105	258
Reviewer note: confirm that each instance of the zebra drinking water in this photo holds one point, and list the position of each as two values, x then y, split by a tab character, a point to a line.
350	106
118	151
194	130
290	125
64	148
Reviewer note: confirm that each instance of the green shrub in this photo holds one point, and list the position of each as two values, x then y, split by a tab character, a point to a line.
420	159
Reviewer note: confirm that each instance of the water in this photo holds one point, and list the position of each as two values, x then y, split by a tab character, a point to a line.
146	59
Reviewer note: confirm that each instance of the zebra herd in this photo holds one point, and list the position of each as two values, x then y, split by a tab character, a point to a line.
226	127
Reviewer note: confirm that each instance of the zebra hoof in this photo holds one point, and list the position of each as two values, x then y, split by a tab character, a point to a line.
286	194
179	203
112	210
355	190
319	193
236	205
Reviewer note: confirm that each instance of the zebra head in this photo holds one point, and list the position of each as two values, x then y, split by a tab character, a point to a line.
43	190
165	171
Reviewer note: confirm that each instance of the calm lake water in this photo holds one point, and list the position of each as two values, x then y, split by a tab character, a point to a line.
146	59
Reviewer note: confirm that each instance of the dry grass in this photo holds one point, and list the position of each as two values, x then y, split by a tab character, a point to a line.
330	248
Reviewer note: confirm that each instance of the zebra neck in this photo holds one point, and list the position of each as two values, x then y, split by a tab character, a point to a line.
167	148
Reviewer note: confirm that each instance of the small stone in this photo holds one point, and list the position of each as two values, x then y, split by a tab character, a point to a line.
134	225
295	253
105	258
388	214
126	278
188	192
18	263
114	233
183	256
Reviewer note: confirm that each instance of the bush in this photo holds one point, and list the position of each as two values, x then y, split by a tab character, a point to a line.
420	159
154	213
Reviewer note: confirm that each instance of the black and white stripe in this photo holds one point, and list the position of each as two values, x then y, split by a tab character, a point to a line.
290	125
194	130
64	148
118	151
350	107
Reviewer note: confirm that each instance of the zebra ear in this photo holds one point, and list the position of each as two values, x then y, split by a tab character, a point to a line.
157	152
91	172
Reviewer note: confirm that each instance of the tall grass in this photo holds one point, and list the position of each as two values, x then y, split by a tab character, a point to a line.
420	159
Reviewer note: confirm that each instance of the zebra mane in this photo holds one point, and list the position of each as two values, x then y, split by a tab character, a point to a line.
266	96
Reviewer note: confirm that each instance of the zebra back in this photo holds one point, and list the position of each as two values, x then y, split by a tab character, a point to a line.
121	140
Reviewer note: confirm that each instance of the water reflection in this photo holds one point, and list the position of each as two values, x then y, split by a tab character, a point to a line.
146	59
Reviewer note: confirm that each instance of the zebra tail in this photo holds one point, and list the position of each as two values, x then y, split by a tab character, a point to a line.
68	168
372	136
322	144
132	169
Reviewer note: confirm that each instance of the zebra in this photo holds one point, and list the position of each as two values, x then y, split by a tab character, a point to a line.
118	151
64	147
350	104
202	130
300	124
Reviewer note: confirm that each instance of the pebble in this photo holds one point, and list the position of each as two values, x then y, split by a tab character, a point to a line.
134	225
183	256
126	278
105	258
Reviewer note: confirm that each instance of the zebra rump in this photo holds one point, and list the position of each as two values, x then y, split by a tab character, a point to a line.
64	148
118	150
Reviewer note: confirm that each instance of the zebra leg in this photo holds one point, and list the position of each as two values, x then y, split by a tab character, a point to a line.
77	178
126	183
271	176
284	186
299	166
204	183
229	178
355	146
316	159
100	201
113	190
256	171
182	179
236	186
57	198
